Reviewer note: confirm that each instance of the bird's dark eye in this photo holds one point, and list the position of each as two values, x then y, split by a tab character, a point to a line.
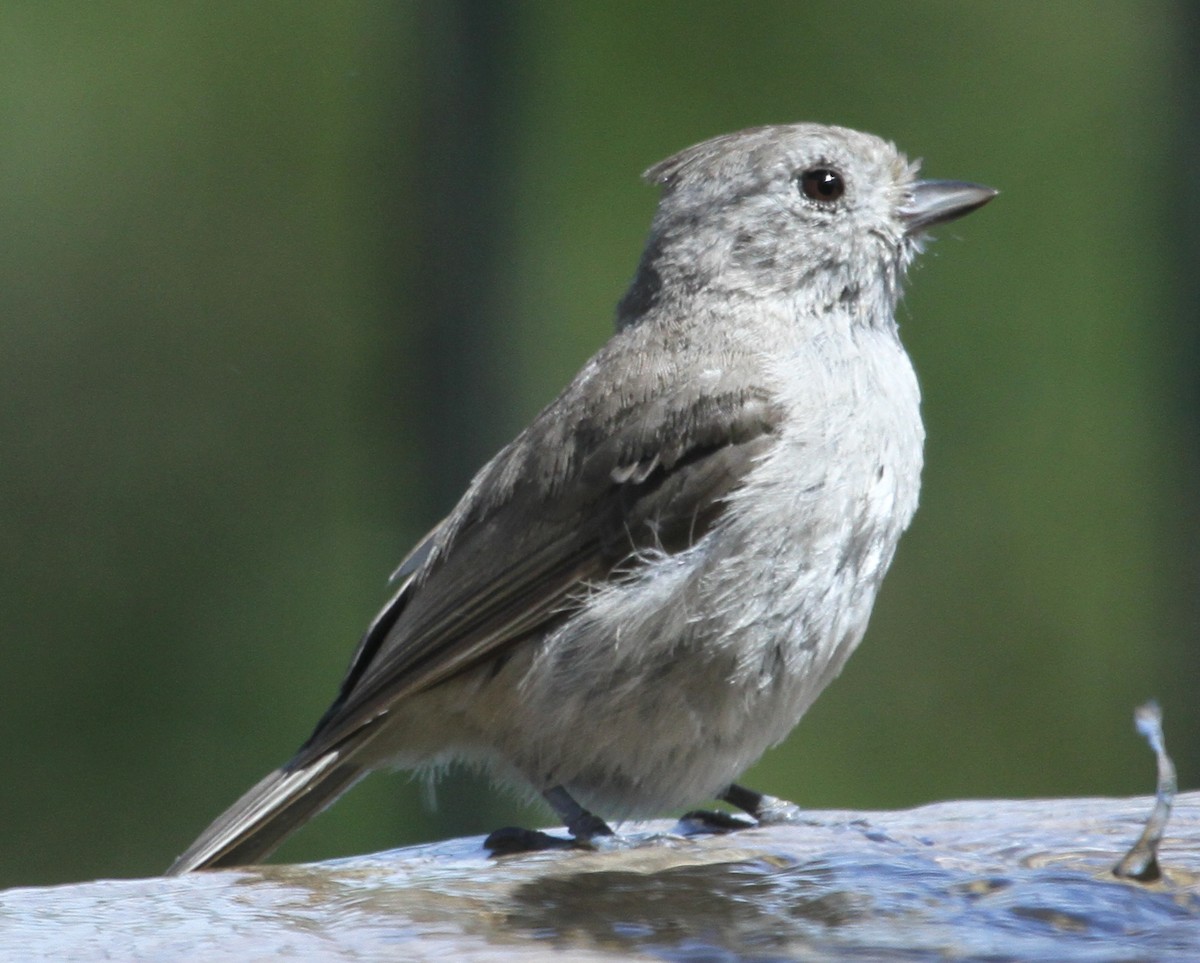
822	184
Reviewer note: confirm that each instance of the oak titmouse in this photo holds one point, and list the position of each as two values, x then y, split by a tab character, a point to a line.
650	585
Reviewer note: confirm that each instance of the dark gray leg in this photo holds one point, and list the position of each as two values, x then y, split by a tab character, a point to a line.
747	800
581	824
766	810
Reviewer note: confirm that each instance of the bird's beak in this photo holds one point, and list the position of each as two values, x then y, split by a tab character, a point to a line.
935	202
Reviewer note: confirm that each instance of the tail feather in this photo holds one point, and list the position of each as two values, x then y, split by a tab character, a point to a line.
264	817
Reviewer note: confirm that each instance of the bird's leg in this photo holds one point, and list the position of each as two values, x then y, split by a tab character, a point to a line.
766	810
581	824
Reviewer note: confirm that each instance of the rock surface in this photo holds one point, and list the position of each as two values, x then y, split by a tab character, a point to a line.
1011	880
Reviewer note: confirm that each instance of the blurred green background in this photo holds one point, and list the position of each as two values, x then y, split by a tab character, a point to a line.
276	277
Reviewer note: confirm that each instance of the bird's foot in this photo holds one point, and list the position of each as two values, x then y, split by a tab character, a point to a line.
778	812
712	821
586	829
765	810
513	839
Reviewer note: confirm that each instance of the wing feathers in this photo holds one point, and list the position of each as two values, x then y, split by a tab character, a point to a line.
517	565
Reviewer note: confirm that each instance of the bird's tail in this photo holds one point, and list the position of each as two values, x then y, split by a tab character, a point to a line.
265	816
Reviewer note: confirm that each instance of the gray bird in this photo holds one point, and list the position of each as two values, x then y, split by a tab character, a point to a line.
650	585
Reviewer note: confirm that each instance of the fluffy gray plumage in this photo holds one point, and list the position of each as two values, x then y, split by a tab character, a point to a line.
649	586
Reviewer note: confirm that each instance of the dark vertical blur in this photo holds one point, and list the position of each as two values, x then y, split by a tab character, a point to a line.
462	162
462	239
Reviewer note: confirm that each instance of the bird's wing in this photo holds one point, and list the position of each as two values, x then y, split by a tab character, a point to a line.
554	513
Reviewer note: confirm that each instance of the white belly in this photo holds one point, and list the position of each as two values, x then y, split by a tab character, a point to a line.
665	687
